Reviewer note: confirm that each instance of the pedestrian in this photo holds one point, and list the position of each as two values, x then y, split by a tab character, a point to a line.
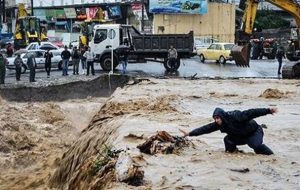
279	56
3	62
48	55
172	56
9	50
31	63
89	55
83	59
240	127
65	55
18	65
123	58
75	60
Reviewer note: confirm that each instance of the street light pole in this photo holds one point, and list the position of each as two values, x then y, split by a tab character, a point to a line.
3	10
32	8
143	15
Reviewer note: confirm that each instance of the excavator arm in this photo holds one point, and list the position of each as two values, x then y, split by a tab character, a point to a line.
241	52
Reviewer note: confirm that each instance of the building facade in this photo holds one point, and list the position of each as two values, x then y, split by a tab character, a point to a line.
217	25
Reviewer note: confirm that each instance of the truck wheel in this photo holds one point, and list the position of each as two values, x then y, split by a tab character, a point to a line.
23	69
222	60
106	62
168	66
291	57
202	58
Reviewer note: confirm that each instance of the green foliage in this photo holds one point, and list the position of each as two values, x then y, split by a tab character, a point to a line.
267	19
104	157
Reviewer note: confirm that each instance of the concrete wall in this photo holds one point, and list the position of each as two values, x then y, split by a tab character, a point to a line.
218	23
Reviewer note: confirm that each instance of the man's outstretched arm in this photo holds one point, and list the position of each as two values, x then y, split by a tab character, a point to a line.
250	114
211	127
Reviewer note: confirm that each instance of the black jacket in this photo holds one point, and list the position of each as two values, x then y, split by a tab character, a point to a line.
235	123
48	56
65	54
31	62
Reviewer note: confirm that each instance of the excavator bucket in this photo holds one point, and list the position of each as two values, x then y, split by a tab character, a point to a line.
241	55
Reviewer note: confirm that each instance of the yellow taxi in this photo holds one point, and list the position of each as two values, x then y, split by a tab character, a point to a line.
216	51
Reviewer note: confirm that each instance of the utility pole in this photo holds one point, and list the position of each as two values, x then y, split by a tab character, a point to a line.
32	8
143	15
2	8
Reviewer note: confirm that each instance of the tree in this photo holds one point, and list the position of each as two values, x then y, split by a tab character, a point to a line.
267	19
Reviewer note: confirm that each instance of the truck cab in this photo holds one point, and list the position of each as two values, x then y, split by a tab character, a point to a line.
105	36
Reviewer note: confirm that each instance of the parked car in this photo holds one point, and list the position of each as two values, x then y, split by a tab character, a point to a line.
39	57
43	46
216	51
58	41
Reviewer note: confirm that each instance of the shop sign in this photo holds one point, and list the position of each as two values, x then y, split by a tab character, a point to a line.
91	12
137	11
114	12
60	13
175	6
40	13
70	12
81	13
50	14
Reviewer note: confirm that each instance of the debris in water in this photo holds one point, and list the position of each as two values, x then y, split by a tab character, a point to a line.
272	93
162	142
243	170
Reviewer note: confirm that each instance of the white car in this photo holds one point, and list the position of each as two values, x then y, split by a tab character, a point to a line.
56	60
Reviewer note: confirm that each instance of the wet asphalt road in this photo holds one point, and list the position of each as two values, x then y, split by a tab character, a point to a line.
189	67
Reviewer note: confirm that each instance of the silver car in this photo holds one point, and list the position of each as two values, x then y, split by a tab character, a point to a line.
56	60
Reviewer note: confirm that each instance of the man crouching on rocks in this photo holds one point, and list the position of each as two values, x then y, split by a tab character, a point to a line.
240	128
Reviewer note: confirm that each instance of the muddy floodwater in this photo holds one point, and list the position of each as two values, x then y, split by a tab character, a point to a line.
77	142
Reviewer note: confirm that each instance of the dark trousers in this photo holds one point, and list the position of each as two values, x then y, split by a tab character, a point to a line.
254	141
48	68
2	75
18	73
65	66
279	66
75	66
90	64
172	62
32	75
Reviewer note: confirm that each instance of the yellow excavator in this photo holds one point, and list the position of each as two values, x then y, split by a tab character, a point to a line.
86	28
241	52
28	29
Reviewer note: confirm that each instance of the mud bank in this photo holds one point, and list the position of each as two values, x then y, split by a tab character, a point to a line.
102	86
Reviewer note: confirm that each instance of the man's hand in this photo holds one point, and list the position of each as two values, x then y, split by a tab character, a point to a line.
273	110
185	134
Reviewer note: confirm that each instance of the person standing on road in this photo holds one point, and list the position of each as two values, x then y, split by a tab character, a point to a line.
9	50
89	55
48	55
75	60
3	62
32	66
279	56
83	60
241	129
172	56
18	64
65	55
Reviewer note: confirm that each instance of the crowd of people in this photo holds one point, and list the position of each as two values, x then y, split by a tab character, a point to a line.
84	56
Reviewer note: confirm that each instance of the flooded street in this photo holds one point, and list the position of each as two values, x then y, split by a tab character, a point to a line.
189	67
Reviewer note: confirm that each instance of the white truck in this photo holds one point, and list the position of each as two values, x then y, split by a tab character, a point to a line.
141	47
